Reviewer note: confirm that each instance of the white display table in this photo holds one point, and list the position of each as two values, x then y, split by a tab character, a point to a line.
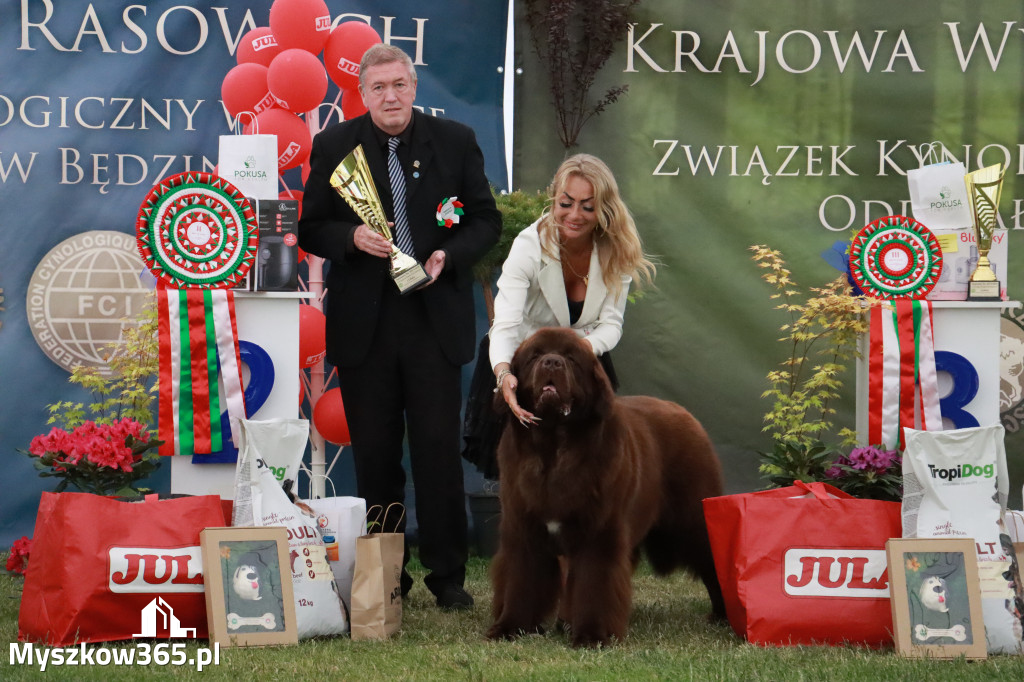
970	330
269	319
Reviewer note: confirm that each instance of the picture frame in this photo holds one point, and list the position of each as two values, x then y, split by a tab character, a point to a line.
249	596
935	596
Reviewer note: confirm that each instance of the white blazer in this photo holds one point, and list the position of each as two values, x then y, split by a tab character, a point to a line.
531	295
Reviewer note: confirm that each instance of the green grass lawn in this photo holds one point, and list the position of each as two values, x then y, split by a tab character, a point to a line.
669	639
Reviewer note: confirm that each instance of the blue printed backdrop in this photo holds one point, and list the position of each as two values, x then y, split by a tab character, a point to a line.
100	100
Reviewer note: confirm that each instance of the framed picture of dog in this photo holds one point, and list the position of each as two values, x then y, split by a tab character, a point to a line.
936	598
249	598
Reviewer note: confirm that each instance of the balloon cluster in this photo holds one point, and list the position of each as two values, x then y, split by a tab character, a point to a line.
280	75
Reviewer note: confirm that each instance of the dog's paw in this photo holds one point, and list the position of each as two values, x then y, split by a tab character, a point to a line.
499	631
591	639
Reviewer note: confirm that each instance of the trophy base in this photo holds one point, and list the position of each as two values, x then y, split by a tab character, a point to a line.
410	278
984	291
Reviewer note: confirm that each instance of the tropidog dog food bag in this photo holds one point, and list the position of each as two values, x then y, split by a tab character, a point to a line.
955	484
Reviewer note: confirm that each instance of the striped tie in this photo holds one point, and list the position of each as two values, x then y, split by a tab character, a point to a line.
403	236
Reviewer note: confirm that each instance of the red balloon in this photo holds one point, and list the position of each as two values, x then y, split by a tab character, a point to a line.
293	138
312	336
329	418
297	80
245	89
258	46
303	24
344	50
352	104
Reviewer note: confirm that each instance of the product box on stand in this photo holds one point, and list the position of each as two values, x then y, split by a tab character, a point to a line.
277	260
960	258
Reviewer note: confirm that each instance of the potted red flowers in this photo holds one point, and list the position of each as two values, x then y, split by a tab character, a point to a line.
105	459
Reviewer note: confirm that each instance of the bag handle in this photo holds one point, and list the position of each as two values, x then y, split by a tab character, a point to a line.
387	511
376	519
928	155
238	128
311	476
816	489
381	518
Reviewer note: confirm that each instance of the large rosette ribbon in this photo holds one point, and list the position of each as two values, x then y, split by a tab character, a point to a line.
898	258
197	233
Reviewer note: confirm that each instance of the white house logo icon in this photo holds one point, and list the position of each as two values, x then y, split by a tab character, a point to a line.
158	608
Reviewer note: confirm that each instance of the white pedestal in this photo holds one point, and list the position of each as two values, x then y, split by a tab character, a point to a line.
270	320
968	329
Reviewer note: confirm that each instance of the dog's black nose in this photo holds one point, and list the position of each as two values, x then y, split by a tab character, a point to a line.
552	362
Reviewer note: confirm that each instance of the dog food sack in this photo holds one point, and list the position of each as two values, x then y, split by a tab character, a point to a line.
279	443
955	484
319	609
340	521
260	501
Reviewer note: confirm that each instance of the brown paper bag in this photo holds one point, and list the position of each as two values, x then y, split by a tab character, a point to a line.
376	582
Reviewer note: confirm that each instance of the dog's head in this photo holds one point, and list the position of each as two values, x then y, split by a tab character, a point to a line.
246	582
560	378
933	594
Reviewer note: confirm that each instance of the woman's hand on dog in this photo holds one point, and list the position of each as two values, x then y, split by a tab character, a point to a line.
509	383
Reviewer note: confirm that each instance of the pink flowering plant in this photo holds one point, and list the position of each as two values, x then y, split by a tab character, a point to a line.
868	472
101	458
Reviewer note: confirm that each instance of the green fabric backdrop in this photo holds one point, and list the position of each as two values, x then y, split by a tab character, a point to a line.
708	335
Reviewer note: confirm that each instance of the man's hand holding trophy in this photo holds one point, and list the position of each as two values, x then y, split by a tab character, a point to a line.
352	180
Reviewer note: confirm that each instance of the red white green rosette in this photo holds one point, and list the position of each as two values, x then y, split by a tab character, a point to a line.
895	257
197	231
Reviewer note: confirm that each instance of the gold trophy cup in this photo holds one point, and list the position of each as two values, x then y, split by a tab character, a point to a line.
352	180
983	189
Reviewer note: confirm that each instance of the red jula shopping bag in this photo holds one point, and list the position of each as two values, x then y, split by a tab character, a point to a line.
103	569
804	564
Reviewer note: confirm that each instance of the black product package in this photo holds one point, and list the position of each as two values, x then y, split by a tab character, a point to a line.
277	259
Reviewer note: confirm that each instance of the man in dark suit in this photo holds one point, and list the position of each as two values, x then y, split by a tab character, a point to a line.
399	356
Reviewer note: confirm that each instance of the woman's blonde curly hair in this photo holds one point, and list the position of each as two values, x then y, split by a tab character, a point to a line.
619	249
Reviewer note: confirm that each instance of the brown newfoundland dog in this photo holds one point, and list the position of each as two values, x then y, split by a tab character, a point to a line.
585	489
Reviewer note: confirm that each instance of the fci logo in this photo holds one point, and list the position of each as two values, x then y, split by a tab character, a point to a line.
79	294
841	572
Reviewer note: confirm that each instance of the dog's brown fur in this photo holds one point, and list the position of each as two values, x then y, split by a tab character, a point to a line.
596	480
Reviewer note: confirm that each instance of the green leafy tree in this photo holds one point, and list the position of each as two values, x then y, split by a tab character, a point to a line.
821	339
126	387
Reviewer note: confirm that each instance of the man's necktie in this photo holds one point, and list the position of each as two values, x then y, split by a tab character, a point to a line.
402	234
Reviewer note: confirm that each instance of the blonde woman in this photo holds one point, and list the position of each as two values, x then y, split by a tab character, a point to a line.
572	268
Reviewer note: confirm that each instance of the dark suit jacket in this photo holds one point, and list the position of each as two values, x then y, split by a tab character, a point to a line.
450	165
